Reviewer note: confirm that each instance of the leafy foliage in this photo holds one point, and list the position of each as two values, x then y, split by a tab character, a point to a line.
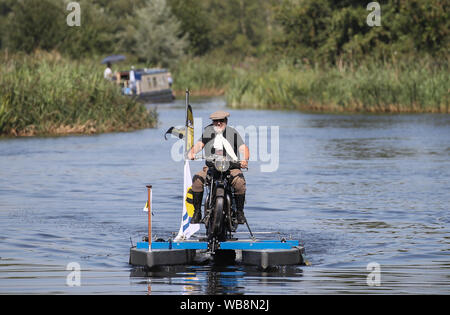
162	31
325	30
155	34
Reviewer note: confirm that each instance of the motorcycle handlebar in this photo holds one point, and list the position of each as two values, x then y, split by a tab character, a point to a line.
232	163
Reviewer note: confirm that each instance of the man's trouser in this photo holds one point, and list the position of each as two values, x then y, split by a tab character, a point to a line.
237	182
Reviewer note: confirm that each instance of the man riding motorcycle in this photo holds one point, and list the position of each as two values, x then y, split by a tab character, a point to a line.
218	138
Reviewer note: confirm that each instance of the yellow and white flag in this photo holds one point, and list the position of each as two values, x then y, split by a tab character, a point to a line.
146	203
187	229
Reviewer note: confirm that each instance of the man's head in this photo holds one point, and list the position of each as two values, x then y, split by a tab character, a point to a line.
220	120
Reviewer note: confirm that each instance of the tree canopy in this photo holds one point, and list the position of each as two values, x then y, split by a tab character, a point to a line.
162	31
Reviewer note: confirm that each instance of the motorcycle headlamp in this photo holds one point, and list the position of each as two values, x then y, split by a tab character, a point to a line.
222	165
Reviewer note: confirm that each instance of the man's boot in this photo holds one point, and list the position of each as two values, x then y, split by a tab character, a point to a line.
240	200
197	201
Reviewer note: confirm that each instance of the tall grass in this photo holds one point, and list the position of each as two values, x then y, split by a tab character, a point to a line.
368	88
202	76
418	86
45	94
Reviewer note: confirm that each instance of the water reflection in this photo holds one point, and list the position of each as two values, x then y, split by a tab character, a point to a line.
214	279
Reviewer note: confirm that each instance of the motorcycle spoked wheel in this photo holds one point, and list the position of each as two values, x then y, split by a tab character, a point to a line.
231	217
216	226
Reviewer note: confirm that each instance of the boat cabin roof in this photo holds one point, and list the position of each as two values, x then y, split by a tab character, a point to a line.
151	71
147	71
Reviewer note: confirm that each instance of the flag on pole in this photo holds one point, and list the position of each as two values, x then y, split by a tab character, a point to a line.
187	229
151	203
190	129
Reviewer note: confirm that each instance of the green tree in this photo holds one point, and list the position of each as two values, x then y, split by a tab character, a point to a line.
119	9
5	8
327	30
240	27
195	24
35	24
236	27
41	24
96	35
427	23
305	24
154	35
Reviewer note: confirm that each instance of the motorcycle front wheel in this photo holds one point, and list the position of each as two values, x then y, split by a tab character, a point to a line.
215	228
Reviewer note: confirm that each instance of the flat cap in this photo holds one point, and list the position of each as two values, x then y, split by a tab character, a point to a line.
219	115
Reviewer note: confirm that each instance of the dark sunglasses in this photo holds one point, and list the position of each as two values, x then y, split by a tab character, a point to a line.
219	121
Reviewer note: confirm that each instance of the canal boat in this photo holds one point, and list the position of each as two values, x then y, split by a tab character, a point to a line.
149	85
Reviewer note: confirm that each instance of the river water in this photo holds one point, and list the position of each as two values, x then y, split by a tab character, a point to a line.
367	195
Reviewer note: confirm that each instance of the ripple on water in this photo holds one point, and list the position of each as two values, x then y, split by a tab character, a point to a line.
354	189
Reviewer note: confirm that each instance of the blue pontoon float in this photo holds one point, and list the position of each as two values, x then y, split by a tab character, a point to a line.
261	253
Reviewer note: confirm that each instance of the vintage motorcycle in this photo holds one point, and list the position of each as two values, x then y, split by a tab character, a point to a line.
220	208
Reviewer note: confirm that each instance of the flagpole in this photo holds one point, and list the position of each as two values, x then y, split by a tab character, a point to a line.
149	189
186	127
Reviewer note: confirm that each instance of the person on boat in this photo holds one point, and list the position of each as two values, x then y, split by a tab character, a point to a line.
169	79
108	74
218	138
133	80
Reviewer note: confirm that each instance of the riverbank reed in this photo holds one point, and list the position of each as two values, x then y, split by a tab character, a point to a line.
46	94
414	86
203	76
374	88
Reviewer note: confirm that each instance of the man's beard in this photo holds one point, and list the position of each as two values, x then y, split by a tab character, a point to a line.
218	129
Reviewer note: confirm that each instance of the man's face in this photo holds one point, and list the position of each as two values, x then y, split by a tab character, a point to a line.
219	125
